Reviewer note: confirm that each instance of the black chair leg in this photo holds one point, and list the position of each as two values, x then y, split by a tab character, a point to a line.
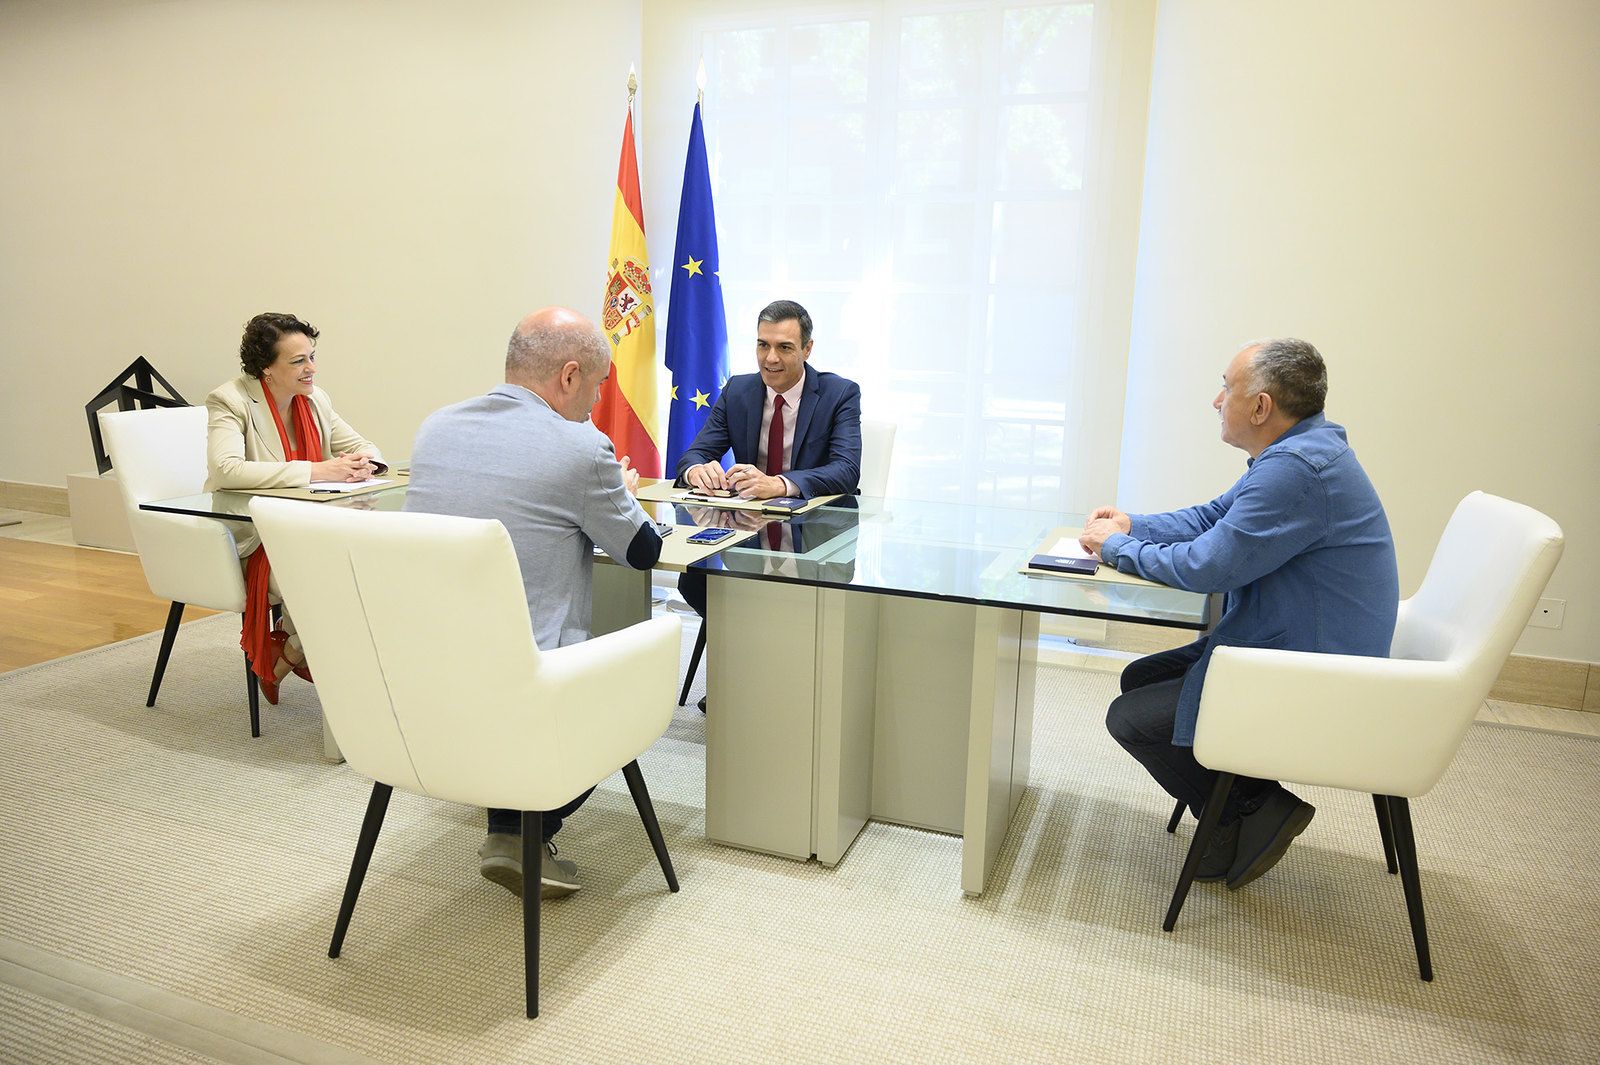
1386	830
532	876
1177	815
1210	816
694	662
252	691
647	814
377	805
1405	845
170	633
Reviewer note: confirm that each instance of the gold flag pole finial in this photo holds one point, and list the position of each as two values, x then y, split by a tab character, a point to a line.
700	83
633	84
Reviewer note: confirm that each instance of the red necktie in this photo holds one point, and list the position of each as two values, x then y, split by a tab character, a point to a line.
775	462
775	439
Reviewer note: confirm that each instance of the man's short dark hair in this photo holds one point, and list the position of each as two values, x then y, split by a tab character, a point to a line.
1293	374
784	311
259	348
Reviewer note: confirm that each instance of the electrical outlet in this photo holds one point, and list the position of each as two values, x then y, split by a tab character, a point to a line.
1548	614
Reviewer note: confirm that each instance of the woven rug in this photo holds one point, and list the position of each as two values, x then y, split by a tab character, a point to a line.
166	849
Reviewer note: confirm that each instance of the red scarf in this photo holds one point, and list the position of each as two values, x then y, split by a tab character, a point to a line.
255	637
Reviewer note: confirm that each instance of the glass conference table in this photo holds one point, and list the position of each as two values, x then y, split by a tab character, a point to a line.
872	659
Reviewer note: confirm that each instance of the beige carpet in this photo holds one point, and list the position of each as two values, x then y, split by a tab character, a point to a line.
166	849
34	1029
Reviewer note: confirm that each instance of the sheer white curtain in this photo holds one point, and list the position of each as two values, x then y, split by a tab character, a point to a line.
917	175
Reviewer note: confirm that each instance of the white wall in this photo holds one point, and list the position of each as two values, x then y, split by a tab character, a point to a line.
411	177
1412	187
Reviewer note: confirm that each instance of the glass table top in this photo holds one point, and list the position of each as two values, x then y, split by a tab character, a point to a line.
236	505
960	552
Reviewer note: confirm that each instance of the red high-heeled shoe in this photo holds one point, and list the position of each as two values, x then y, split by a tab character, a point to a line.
269	688
303	670
277	640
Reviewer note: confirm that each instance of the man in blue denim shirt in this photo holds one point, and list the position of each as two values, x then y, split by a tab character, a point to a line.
1302	548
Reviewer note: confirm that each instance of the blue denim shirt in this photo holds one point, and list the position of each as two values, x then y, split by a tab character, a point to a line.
1301	546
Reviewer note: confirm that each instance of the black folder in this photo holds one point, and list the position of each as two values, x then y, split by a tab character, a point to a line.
1064	564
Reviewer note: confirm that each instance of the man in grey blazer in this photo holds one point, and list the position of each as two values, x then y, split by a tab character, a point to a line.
527	455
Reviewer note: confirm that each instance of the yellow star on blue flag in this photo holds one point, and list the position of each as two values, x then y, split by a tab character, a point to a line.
693	266
701	399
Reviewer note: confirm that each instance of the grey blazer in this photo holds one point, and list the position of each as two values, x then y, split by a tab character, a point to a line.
555	485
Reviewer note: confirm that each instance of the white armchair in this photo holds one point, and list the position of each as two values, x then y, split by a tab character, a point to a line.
430	679
877	450
161	454
1386	726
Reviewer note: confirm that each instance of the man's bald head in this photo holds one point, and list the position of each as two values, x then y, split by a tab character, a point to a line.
547	340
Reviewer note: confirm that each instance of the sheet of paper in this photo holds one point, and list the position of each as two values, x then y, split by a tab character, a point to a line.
347	486
1067	547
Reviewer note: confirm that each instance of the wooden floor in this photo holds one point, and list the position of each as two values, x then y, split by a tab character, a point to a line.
57	600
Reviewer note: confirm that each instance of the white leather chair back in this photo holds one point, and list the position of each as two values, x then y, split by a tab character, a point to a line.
1388	726
160	454
1492	562
417	628
877	449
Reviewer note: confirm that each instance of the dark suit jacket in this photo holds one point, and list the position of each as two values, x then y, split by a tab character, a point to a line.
827	435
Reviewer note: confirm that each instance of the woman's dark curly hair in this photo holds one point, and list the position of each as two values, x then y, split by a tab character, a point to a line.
259	348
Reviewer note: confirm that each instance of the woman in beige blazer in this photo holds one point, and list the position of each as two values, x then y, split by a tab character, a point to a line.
271	427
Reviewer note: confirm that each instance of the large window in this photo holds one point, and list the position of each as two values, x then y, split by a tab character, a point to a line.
914	174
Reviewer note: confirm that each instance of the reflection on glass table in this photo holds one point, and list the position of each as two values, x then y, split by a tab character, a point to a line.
947	551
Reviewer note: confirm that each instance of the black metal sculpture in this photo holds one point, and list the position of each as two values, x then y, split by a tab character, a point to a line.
134	389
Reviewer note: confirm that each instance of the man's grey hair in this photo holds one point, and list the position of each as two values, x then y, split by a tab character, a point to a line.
1291	372
539	353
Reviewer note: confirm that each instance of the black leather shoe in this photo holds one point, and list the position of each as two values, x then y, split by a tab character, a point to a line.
1266	834
702	704
1219	855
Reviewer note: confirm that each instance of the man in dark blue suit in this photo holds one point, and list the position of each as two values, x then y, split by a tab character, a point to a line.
793	431
819	434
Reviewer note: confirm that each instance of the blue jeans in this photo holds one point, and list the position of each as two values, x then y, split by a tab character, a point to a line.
509	822
1141	720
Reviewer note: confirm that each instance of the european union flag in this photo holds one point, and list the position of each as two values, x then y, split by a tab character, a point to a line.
697	328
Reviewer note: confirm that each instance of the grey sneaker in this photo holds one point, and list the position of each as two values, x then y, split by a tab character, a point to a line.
501	864
558	877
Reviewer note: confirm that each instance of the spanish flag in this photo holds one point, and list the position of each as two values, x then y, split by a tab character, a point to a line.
627	408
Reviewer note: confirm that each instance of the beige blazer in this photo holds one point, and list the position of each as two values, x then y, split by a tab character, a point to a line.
243	450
